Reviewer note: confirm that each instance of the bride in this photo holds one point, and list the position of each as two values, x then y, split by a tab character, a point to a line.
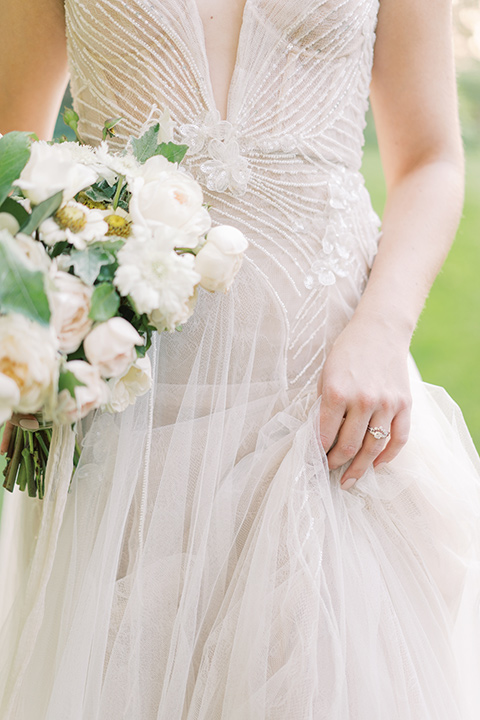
287	527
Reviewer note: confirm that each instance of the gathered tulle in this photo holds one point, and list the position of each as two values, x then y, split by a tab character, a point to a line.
208	565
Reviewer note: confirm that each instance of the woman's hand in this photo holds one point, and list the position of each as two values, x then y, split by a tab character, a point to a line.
364	382
27	422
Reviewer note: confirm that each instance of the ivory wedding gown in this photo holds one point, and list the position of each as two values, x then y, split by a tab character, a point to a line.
207	564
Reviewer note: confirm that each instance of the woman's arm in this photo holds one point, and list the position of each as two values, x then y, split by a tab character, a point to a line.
33	78
414	102
33	65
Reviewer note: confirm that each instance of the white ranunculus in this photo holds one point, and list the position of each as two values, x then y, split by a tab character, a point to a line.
50	169
9	397
70	304
96	158
220	259
123	164
8	222
125	390
160	282
34	252
89	396
164	195
28	356
110	346
76	223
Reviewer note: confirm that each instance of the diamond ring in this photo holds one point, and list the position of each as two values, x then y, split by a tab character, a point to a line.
379	433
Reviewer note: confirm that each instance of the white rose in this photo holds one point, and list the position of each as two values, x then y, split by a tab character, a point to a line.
220	258
51	169
164	195
8	222
9	397
28	356
89	396
125	390
70	305
34	252
110	346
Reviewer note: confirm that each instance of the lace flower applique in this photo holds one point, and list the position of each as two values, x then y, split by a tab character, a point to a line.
225	168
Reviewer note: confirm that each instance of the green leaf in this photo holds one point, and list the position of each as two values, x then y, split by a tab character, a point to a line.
101	192
87	263
14	208
41	212
173	153
14	155
69	381
146	146
104	303
21	290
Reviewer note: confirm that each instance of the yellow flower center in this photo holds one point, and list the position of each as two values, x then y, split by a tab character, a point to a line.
85	200
15	370
71	218
118	225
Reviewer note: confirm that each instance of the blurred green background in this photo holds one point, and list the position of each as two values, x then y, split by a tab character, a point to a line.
446	344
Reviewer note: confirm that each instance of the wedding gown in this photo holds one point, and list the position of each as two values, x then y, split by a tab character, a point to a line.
206	564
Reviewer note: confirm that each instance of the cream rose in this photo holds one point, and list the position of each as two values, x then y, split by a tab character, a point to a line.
33	252
8	222
28	356
89	396
70	305
110	346
125	390
51	169
9	397
220	258
163	195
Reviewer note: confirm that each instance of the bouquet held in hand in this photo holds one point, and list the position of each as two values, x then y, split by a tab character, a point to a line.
98	250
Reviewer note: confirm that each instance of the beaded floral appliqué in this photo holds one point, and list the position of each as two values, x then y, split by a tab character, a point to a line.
224	168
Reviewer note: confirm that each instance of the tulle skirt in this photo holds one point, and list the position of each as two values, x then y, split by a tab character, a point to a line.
206	564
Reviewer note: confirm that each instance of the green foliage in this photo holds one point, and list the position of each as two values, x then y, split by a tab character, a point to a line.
21	289
104	303
149	145
88	263
41	212
14	208
68	381
14	155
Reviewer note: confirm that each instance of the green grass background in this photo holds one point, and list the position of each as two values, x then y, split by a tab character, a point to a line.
446	344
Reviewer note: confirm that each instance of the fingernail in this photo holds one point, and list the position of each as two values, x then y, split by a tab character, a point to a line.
29	424
348	483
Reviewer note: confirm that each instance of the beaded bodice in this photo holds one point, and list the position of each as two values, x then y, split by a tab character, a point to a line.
284	164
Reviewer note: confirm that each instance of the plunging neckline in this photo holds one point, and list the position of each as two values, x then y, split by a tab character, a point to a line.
206	62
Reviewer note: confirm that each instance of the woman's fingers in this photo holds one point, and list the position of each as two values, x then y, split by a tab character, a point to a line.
400	430
332	411
370	449
350	438
7	434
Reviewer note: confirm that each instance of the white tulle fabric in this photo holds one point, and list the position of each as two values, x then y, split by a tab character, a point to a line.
206	564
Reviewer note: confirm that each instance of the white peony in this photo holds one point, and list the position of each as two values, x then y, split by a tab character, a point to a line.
70	304
125	390
164	195
50	169
89	396
33	251
220	259
75	223
160	282
9	397
28	356
110	346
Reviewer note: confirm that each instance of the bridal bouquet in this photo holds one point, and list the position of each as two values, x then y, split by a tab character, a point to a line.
98	250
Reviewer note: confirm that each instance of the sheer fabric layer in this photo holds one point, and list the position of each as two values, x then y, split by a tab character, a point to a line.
207	565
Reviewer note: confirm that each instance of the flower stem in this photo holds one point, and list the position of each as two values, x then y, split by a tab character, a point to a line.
12	467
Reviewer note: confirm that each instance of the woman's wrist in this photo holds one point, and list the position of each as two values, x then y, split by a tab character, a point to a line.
387	324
